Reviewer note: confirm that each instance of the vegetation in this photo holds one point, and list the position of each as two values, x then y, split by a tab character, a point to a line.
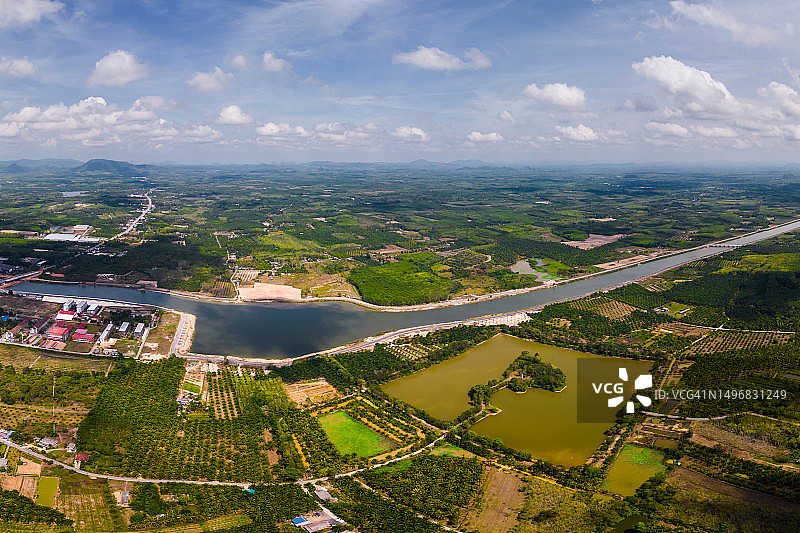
529	371
16	508
350	436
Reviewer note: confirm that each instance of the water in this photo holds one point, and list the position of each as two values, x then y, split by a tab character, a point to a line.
541	422
279	330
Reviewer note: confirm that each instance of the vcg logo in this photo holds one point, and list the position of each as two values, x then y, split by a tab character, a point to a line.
644	381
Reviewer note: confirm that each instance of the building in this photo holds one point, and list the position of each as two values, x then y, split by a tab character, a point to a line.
48	442
68	304
71	448
124	497
3	463
38	326
57	333
83	337
80	306
106	332
65	315
324	495
93	309
81	457
123	329
139	331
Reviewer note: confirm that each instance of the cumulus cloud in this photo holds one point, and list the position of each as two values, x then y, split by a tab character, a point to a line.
281	131
717	16
17	68
270	63
216	80
694	90
437	59
233	115
117	68
477	136
507	116
557	94
784	96
580	133
666	129
96	122
22	12
409	133
239	61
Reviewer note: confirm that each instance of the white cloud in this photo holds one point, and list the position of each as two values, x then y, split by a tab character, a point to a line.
694	90
787	98
96	122
233	115
714	131
282	130
117	68
580	133
216	80
558	94
21	12
239	62
437	59
410	133
18	68
717	16
477	136
274	64
507	116
667	129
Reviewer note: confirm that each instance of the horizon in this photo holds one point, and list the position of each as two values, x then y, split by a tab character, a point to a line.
668	82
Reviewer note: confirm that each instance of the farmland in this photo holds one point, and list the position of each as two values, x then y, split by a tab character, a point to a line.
350	436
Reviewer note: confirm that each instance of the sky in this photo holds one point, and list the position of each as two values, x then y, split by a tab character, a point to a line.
398	80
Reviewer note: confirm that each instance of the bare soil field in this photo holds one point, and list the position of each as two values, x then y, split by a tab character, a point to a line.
28	306
500	503
29	485
27	467
316	391
682	330
264	291
20	357
11	482
594	240
629	261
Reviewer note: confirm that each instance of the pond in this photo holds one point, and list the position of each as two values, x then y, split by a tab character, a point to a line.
540	422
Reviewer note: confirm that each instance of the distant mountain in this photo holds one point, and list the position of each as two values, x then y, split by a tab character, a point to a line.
121	168
24	165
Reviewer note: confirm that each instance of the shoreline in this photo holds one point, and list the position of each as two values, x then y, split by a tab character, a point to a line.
463	300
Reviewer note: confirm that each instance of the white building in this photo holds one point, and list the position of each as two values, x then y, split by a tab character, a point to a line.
68	304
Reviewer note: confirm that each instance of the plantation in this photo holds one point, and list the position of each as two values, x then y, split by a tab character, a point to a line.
399	283
723	341
350	436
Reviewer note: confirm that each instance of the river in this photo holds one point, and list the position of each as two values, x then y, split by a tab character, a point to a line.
280	330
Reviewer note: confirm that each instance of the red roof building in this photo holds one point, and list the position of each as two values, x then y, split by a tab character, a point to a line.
81	457
83	337
57	333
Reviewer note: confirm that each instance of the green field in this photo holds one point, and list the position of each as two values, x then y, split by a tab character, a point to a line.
48	487
634	466
351	436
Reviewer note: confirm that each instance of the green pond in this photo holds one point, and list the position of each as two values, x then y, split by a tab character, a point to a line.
633	466
541	422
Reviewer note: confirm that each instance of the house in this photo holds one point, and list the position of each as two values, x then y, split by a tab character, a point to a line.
81	457
65	315
324	495
139	331
48	442
3	463
125	497
71	447
18	328
5	433
123	329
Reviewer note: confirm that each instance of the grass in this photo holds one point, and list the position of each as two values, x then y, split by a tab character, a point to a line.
350	436
20	357
48	487
633	466
191	387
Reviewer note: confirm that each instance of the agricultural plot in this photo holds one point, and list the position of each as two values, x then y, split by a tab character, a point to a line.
613	309
159	339
632	467
549	507
220	289
721	341
86	502
311	392
502	498
682	330
656	284
221	396
350	436
20	357
412	351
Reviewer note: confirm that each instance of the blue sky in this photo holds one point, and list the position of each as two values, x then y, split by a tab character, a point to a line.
386	80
